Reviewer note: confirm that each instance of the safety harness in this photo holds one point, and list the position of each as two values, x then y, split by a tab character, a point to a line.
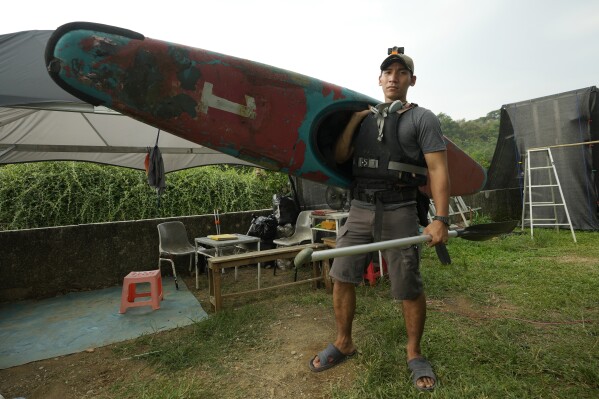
383	171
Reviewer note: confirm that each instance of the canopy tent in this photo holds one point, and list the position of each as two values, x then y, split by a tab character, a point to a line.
41	122
554	121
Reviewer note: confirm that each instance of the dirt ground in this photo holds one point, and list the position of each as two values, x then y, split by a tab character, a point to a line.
277	372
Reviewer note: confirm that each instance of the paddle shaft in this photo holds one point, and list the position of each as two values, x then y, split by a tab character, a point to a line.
480	232
374	246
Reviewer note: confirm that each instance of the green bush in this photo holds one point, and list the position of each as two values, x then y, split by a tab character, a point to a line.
48	194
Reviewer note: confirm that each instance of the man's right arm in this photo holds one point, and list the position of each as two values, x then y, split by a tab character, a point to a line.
343	146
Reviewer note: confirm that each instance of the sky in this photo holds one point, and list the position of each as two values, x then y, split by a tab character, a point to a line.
471	56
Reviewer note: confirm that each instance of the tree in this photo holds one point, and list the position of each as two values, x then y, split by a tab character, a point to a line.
476	137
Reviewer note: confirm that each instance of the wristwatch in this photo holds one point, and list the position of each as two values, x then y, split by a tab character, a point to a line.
443	219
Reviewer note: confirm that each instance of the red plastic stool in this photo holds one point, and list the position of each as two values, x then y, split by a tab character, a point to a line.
129	290
372	272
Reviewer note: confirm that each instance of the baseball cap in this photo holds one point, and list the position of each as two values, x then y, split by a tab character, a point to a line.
396	55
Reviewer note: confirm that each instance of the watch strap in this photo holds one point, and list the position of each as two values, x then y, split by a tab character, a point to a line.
443	219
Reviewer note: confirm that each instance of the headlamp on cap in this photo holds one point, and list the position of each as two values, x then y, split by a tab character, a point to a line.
396	54
395	50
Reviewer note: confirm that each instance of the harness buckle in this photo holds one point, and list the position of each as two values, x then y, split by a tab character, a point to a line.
368	163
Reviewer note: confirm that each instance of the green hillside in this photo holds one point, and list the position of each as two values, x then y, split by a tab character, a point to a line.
477	137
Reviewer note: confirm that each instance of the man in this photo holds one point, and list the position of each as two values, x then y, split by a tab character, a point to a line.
397	145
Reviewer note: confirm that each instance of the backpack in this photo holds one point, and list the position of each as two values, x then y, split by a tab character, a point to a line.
285	208
264	227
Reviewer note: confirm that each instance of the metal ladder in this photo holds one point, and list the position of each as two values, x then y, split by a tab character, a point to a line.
553	182
466	213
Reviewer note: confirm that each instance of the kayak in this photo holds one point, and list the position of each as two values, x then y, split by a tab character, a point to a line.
271	117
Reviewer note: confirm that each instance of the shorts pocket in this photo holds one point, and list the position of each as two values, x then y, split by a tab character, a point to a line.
410	257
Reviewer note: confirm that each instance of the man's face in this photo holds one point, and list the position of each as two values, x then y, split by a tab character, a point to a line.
395	81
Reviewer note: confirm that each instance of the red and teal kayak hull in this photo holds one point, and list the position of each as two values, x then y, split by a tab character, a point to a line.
274	118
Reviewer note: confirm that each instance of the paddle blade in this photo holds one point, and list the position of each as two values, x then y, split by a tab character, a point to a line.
483	232
443	254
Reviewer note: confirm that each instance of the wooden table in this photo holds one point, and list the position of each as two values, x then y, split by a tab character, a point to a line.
219	263
220	245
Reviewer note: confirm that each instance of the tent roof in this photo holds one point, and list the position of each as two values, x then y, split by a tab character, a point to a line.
41	122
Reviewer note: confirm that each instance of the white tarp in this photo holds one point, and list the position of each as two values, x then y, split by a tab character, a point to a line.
41	122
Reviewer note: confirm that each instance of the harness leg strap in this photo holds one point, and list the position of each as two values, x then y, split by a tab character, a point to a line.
378	218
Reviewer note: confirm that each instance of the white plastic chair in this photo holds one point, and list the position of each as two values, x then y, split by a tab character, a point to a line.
302	234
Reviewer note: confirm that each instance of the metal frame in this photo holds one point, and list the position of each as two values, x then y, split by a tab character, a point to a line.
528	198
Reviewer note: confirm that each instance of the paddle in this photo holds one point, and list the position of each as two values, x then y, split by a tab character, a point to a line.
443	254
478	232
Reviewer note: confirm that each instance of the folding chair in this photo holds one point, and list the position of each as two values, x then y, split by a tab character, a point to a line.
174	242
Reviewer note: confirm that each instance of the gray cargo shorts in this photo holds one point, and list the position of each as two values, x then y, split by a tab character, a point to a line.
402	264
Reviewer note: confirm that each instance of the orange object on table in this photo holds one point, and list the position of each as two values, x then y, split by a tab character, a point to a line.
328	224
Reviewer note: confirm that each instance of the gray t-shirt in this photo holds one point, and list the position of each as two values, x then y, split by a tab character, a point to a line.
419	133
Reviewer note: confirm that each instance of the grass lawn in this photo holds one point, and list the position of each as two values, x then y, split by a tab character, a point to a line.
510	318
